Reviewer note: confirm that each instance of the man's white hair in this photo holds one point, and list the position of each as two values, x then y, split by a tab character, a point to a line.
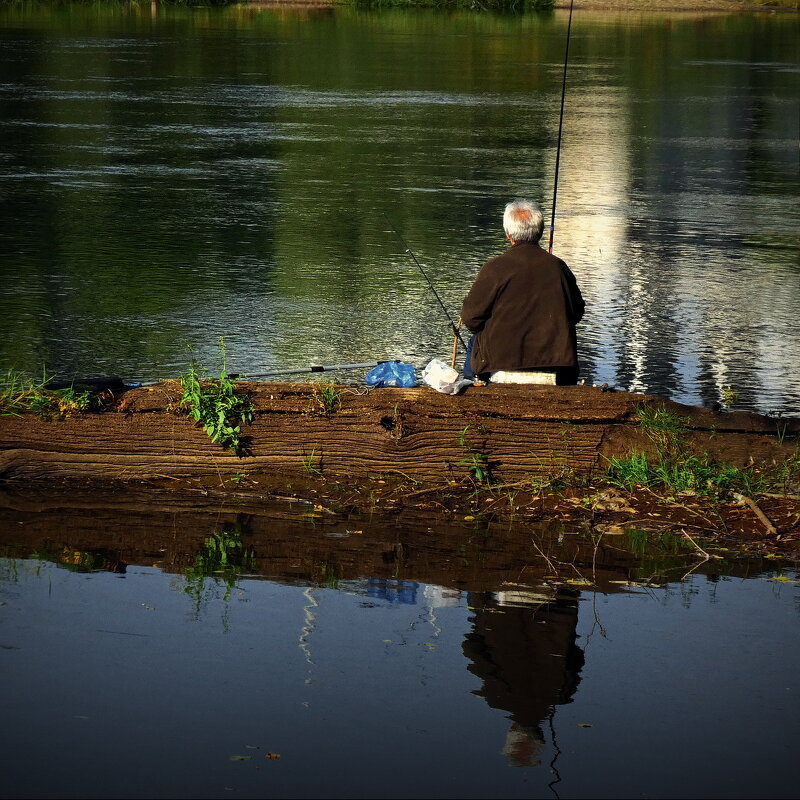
523	221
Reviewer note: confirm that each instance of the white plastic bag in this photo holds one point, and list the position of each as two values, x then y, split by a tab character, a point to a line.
444	379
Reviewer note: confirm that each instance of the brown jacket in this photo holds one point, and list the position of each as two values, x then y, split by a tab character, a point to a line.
523	308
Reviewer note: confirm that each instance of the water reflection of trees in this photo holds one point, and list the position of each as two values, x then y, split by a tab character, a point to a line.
178	184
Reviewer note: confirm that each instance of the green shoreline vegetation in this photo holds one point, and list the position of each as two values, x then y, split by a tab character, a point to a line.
20	395
676	471
505	6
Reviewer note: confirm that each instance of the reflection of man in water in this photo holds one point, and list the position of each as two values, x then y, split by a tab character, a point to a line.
528	661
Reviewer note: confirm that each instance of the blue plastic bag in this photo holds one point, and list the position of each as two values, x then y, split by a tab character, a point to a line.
392	373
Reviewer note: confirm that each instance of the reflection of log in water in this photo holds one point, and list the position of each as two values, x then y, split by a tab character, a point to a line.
290	542
528	660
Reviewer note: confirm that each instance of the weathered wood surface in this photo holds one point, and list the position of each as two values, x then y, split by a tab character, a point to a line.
523	430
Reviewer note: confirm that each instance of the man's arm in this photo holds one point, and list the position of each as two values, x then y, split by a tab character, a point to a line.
575	303
478	303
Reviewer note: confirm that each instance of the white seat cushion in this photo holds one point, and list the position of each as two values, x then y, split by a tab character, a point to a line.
528	376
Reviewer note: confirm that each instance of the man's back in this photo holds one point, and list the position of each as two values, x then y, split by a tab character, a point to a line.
524	306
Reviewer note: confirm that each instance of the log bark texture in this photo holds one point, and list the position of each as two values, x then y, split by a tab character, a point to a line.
518	430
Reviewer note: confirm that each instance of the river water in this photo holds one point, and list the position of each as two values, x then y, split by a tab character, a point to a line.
169	176
163	650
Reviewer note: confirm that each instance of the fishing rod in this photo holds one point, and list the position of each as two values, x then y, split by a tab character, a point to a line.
100	383
315	368
560	129
453	326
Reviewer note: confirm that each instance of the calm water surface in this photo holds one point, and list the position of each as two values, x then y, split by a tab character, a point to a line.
169	176
159	653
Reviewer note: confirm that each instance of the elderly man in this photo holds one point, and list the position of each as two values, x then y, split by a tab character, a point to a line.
523	308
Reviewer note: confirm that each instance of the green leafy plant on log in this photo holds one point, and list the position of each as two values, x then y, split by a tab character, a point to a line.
215	404
477	462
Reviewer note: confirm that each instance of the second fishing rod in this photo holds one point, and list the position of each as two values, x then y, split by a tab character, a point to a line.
453	326
456	328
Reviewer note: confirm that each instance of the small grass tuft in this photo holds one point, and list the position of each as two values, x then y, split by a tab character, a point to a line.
664	428
20	395
308	464
728	396
326	398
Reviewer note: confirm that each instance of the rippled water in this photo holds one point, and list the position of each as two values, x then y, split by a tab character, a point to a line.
169	176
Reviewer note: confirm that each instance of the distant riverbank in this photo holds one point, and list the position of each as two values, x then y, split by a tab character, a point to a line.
680	5
622	6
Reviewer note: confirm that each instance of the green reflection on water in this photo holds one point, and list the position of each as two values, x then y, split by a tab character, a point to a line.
177	174
220	560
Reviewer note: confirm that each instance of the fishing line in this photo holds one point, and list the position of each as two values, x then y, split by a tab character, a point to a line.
408	250
560	129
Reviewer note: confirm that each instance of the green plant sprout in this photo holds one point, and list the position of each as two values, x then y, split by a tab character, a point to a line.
326	398
308	464
477	462
215	404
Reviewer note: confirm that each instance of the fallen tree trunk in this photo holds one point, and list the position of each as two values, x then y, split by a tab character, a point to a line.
516	431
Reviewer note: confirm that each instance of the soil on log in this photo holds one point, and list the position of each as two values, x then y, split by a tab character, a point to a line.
519	431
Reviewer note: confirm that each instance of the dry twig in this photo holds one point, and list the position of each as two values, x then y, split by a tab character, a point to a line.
706	555
742	498
687	508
